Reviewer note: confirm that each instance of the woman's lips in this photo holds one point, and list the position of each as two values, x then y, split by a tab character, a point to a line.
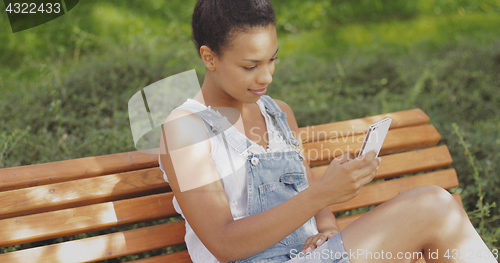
259	92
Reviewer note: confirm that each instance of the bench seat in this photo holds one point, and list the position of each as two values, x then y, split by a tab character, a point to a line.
66	198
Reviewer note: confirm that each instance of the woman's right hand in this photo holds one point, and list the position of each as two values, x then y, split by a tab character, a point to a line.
345	176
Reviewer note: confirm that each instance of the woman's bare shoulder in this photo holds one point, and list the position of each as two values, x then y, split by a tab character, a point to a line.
284	107
187	143
185	128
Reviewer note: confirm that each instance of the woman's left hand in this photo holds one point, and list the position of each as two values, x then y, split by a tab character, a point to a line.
317	240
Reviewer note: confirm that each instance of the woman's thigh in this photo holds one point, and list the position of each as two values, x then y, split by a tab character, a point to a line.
399	229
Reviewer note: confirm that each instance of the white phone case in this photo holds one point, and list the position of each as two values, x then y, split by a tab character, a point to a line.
375	136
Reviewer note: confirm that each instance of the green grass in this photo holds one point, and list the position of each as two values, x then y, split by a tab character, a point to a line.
398	37
65	85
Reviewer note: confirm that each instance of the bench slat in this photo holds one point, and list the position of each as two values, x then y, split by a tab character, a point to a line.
404	163
377	193
397	140
103	247
61	171
37	227
94	190
400	119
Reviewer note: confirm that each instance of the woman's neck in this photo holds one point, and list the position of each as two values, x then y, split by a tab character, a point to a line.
212	95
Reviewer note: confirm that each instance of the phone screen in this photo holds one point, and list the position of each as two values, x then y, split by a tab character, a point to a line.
375	136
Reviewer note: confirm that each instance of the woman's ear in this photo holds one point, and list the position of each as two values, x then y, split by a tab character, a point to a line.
208	57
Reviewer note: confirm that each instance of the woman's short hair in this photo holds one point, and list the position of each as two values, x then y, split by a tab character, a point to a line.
215	22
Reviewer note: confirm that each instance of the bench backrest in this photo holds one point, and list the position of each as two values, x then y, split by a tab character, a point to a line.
56	200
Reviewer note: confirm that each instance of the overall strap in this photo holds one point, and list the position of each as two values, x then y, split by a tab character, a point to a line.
219	124
274	110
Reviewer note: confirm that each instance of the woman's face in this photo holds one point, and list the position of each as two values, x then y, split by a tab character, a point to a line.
248	64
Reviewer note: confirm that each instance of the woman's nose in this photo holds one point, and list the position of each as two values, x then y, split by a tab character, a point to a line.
266	75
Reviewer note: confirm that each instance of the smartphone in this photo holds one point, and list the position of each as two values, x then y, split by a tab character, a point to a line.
375	136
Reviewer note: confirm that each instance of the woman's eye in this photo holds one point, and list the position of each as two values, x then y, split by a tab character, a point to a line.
271	60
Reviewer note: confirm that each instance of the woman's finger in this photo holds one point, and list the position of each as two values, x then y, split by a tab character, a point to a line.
315	241
342	158
347	157
320	241
368	178
308	246
371	167
322	237
360	161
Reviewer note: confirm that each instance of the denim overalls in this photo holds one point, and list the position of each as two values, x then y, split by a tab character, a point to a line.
272	178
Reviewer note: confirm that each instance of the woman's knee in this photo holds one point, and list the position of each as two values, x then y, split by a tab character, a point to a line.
435	202
433	191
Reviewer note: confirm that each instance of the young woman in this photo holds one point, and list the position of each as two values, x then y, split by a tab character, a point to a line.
241	182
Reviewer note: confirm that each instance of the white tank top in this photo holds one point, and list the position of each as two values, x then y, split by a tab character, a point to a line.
234	185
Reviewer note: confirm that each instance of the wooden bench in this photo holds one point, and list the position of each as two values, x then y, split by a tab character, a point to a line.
60	199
